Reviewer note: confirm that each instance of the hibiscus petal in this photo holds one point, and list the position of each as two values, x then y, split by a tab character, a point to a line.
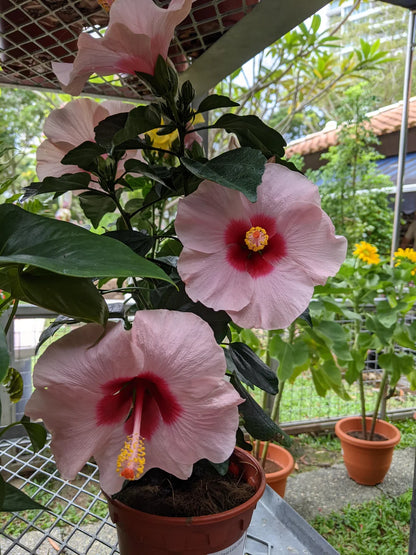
144	17
68	413
48	161
71	125
281	189
95	55
312	243
278	298
105	455
212	280
204	216
74	123
80	358
166	340
138	32
209	436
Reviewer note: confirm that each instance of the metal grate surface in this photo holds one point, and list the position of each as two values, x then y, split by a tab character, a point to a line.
33	33
78	521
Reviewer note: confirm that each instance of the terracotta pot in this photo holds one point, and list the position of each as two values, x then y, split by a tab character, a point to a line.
148	534
281	456
367	462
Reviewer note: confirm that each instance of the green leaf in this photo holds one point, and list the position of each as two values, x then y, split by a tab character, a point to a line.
108	127
240	169
4	355
252	132
65	248
139	120
221	468
136	166
383	334
396	365
139	242
36	432
257	423
15	500
335	336
215	101
164	81
84	155
355	366
95	205
59	185
283	352
13	382
72	296
332	371
250	368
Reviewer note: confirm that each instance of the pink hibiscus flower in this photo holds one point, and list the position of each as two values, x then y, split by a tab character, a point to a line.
257	261
138	32
154	396
68	127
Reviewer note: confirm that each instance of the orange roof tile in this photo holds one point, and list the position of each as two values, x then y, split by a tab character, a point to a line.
383	121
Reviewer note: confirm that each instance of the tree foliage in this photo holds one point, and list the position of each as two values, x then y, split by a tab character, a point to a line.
288	81
349	182
22	115
389	24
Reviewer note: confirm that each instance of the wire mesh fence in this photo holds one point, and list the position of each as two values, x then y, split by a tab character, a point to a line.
300	401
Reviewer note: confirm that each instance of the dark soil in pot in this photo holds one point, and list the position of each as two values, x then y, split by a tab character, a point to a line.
359	435
205	492
271	466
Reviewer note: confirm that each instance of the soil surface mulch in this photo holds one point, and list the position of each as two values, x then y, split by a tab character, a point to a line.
205	492
358	434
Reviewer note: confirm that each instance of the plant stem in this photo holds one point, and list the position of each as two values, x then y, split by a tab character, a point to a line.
376	408
362	401
273	416
12	315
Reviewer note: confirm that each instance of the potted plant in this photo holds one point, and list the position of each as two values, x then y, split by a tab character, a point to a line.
193	244
375	297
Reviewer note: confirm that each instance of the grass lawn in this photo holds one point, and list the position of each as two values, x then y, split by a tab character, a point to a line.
378	527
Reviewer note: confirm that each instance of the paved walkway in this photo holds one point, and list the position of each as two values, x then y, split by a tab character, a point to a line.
330	489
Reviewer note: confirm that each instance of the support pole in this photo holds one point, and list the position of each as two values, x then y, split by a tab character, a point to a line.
403	134
412	539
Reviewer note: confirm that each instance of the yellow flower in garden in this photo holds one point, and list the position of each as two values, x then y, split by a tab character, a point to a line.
408	255
166	141
162	141
366	252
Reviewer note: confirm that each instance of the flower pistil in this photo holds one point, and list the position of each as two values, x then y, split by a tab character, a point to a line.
256	238
130	462
105	4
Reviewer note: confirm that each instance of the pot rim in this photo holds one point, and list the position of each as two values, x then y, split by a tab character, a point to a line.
180	520
286	469
391	441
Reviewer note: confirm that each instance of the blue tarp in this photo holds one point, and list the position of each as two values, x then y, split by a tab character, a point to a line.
388	166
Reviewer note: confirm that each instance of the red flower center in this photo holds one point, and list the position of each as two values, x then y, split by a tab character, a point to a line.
254	248
119	403
142	403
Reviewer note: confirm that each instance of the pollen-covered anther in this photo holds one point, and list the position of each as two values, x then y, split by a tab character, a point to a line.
105	4
130	462
256	238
